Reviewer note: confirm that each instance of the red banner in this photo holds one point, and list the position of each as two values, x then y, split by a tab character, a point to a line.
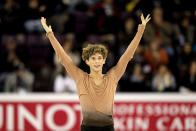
155	116
131	113
41	116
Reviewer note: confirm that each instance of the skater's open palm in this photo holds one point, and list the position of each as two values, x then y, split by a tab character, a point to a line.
45	26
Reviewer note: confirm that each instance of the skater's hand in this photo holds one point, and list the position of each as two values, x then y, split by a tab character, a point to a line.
145	20
45	26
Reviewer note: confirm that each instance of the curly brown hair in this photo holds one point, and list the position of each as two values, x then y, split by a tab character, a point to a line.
91	49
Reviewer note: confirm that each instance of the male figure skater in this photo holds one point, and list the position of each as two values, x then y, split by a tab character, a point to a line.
96	90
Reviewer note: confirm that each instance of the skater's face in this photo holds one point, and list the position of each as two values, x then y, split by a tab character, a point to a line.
96	62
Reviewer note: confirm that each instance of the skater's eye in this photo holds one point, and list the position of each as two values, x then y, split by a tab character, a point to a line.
99	57
93	58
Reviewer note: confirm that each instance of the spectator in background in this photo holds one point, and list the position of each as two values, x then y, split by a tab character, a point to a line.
190	78
10	15
73	4
21	81
159	29
104	16
64	83
163	80
15	76
155	55
184	31
44	80
10	57
34	12
126	34
62	20
137	79
186	55
139	55
146	68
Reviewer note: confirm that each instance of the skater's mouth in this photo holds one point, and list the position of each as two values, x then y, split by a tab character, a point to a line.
97	66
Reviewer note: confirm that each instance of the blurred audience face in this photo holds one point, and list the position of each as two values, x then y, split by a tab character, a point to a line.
139	49
157	16
9	4
67	46
137	69
193	68
129	25
108	2
154	46
162	70
187	48
33	4
70	37
11	46
185	22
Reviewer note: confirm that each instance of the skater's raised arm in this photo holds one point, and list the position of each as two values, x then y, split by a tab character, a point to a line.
120	67
63	57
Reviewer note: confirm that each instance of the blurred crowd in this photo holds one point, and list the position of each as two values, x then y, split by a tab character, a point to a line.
165	60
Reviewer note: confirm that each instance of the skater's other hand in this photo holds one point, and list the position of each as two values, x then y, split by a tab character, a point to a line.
45	26
145	20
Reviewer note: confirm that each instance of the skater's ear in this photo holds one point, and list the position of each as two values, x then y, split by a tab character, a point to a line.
87	62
